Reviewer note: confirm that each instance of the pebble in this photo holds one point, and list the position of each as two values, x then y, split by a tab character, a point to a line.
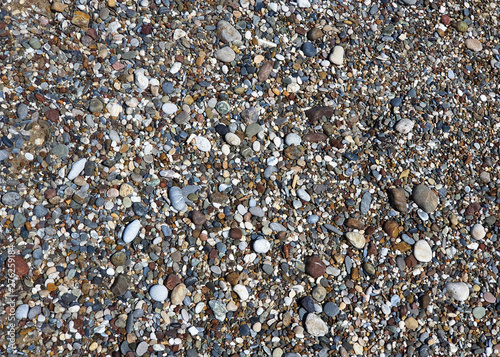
158	292
478	232
120	285
397	197
314	266
131	231
404	126
178	294
225	54
303	195
457	291
77	169
242	292
293	139
261	246
357	239
141	81
12	199
232	139
22	311
411	323
228	32
177	199
337	56
474	45
22	111
422	251
315	325
219	309
309	49
425	198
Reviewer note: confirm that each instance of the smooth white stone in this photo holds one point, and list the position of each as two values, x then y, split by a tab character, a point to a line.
169	108
114	109
404	126
141	81
261	246
76	169
242	291
303	195
131	231
233	139
203	144
315	325
158	292
337	55
293	139
457	291
478	231
303	3
22	311
176	67
422	251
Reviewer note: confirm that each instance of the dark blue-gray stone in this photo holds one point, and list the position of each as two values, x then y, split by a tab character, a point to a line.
309	49
40	211
412	93
139	209
307	303
374	9
22	111
331	309
396	102
19	220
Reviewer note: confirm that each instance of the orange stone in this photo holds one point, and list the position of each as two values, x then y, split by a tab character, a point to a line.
81	19
51	287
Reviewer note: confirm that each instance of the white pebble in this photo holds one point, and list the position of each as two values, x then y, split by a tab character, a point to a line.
242	291
158	292
141	81
457	291
176	67
404	126
337	56
76	169
114	109
477	231
422	251
293	139
261	246
233	139
203	144
169	108
131	231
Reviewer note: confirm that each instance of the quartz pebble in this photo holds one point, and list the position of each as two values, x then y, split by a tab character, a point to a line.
457	291
356	239
76	169
404	126
422	251
225	54
337	56
315	325
158	292
242	291
261	246
478	232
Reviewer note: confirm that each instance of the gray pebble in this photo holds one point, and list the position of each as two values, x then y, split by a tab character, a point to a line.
12	199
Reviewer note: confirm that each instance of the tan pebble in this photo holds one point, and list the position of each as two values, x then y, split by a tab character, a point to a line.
126	190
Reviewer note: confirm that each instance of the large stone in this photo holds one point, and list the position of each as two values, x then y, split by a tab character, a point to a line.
225	54
457	291
315	325
176	198
120	285
315	114
81	19
265	71
158	292
425	198
12	199
422	251
477	231
356	239
404	126
228	32
178	294
314	266
397	198
337	56
473	44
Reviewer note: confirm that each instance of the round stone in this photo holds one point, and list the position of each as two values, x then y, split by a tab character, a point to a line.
422	251
225	54
473	44
12	199
319	293
404	126
203	144
479	312
457	291
314	266
293	139
261	246
178	294
411	323
222	107
309	49
233	139
477	231
158	292
131	231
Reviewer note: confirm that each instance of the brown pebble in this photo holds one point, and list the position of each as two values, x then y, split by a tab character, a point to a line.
354	223
314	34
372	249
21	268
233	278
315	137
315	266
281	235
265	71
391	228
198	218
411	261
425	301
49	193
397	198
235	233
172	281
52	115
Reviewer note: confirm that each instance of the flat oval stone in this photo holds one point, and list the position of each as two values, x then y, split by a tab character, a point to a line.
233	139
169	108
404	126
131	231
303	195
76	169
225	54
314	266
228	32
293	139
422	251
425	198
178	294
158	292
473	44
203	144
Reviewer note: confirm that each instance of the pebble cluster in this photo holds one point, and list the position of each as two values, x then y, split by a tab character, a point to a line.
251	177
